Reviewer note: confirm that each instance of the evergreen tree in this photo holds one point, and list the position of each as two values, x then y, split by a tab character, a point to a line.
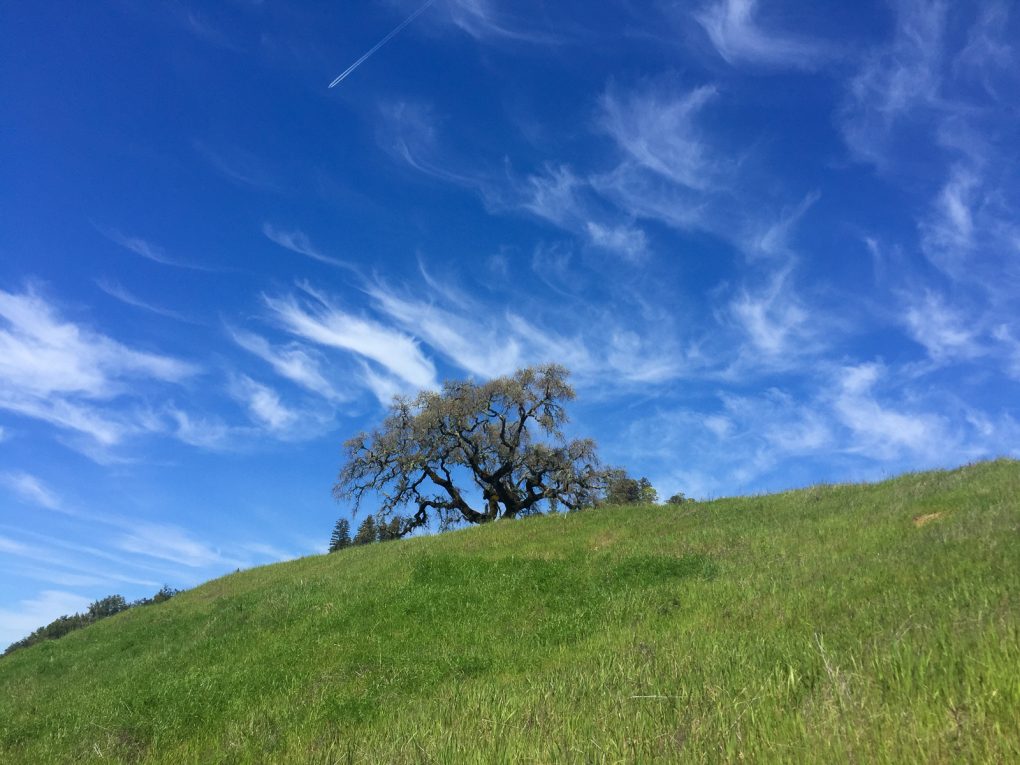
367	532
392	530
108	606
341	537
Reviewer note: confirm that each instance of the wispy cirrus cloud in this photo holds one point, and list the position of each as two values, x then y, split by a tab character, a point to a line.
556	194
270	414
552	193
878	429
171	543
43	355
738	37
861	421
147	249
31	489
119	292
656	128
495	20
773	240
238	166
298	241
58	567
989	56
946	333
598	348
63	373
896	81
316	318
773	318
263	403
295	362
472	346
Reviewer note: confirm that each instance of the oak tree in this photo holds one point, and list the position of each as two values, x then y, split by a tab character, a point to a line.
475	452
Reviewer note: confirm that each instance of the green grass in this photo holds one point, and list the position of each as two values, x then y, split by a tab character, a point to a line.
819	625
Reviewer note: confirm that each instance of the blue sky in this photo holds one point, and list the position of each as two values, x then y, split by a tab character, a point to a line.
776	243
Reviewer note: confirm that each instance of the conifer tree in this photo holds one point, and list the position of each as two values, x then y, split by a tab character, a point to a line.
391	530
367	532
341	537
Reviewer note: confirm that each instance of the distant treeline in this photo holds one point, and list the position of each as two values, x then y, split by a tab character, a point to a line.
100	609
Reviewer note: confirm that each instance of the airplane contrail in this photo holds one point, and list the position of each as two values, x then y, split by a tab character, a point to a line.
382	42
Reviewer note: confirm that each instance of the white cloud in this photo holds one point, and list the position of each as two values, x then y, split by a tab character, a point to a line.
297	241
383	386
489	20
774	241
644	194
204	432
118	292
295	362
30	489
270	552
880	431
945	333
64	374
471	344
626	240
103	428
42	355
947	234
237	165
555	195
736	35
263	404
896	79
409	132
169	543
319	321
988	53
32	613
772	318
1011	347
146	249
738	448
12	547
57	567
656	129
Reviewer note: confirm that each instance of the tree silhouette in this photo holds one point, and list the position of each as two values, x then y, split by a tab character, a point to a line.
341	536
367	532
503	436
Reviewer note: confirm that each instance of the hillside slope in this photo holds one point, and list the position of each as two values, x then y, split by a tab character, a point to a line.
821	625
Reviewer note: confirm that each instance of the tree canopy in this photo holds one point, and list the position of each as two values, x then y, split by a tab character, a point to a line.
622	489
501	439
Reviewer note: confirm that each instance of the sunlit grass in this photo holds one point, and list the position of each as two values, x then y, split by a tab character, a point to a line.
822	625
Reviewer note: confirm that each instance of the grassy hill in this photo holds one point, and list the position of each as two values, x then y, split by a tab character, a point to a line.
849	623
